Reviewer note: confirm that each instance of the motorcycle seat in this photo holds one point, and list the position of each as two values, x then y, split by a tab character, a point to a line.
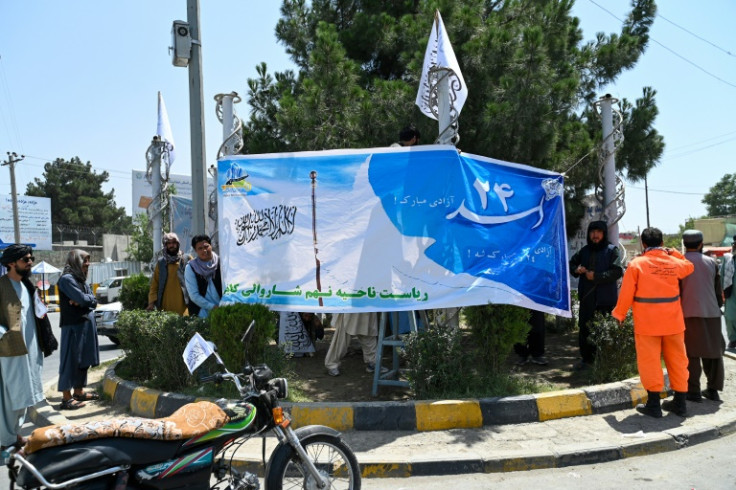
190	421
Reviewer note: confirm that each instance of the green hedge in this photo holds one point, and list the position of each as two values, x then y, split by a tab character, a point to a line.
227	326
153	342
134	292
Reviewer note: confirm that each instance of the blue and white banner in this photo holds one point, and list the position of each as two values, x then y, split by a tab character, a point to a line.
389	229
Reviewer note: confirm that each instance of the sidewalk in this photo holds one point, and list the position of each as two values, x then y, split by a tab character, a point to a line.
556	439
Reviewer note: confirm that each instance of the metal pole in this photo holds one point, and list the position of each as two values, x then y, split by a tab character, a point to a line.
609	168
12	160
156	218
646	198
196	124
443	108
228	123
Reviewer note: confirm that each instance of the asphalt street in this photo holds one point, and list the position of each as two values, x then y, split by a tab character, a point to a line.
108	351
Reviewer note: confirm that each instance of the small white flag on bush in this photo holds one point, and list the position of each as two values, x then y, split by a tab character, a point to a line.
196	352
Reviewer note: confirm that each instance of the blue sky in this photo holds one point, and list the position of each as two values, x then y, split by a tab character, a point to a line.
81	79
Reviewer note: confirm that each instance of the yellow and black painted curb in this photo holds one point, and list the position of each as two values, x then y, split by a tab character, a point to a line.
410	415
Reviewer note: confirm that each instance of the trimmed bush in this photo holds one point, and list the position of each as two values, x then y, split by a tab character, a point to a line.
154	342
496	328
134	292
227	326
436	362
615	357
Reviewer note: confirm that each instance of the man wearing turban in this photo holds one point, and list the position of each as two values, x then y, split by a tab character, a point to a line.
21	359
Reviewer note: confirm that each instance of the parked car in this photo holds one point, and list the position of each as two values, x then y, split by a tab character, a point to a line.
109	290
106	317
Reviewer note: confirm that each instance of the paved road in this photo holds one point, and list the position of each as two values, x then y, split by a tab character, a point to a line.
709	465
108	351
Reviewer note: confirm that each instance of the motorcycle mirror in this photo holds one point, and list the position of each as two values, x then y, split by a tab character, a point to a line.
248	333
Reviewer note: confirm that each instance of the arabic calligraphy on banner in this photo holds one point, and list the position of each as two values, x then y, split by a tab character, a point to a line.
390	229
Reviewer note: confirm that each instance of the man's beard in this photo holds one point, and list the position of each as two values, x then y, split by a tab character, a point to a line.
22	272
173	253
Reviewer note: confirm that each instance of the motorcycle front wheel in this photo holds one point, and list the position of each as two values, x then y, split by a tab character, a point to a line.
333	458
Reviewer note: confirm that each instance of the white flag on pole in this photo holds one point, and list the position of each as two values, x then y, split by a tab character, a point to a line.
196	352
439	54
163	128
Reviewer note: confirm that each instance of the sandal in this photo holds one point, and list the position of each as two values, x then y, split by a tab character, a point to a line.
87	397
70	404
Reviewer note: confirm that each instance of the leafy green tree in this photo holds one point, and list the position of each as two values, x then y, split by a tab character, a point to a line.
721	198
77	199
141	239
531	81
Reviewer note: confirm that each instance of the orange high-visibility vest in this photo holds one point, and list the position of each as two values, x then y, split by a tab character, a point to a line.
651	286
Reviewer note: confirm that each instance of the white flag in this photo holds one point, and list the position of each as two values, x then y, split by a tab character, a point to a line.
196	352
439	54
163	128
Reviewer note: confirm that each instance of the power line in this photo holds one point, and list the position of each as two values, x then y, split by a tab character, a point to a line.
677	148
695	35
668	192
696	150
670	50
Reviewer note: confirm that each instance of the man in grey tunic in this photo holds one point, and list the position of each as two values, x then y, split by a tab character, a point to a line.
702	298
21	360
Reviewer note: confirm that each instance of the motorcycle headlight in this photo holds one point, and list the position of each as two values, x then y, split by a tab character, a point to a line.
281	386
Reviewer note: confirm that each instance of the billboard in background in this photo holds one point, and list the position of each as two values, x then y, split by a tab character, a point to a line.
142	195
34	218
390	229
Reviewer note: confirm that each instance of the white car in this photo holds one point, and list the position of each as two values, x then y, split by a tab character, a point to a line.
106	317
109	289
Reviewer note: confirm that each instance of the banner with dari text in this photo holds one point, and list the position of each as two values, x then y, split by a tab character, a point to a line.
389	229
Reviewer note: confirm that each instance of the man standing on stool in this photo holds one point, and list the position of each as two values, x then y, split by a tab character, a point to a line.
652	286
702	298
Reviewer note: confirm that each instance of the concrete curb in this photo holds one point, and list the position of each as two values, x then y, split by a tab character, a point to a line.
418	415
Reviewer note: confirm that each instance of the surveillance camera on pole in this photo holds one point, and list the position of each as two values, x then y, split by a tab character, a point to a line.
182	43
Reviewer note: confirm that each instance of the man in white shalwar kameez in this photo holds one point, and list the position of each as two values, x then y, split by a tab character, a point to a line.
21	359
364	326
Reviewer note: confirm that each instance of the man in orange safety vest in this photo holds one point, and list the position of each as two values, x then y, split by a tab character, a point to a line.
651	286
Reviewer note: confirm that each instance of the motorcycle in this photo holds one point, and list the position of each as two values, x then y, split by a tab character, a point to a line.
191	448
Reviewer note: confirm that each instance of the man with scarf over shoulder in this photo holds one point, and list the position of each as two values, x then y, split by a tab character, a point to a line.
79	348
21	359
203	279
168	290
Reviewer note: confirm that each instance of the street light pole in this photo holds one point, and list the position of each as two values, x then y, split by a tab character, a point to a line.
196	124
12	160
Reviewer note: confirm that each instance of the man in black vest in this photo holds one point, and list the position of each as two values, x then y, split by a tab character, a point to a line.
597	266
203	279
168	289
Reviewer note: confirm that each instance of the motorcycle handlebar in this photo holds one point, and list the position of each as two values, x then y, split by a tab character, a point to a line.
216	378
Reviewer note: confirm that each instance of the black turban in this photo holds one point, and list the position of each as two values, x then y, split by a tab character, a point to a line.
14	252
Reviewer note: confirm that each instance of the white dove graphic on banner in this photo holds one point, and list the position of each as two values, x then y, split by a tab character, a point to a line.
163	129
439	54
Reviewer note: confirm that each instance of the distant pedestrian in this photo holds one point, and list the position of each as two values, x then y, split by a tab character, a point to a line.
203	278
598	267
168	289
728	269
651	286
702	299
21	359
79	348
534	346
